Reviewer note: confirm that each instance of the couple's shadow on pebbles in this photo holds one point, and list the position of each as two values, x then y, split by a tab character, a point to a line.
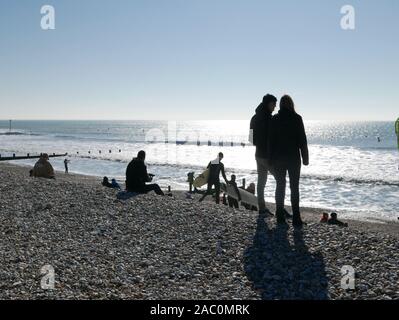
281	270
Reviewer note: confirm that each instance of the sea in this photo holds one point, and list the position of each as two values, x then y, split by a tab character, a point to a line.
354	166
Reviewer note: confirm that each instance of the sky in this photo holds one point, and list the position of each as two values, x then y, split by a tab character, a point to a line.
197	59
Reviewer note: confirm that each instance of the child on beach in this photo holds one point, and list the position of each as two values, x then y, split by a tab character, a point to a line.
324	218
233	203
115	184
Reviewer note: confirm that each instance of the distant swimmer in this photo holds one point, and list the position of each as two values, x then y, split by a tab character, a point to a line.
216	167
378	139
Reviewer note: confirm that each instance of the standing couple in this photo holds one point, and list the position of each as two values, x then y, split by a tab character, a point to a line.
280	142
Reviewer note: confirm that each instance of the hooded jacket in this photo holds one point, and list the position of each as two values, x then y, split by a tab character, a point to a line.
260	130
287	138
43	169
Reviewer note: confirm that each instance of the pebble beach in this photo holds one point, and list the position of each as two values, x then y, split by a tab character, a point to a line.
152	247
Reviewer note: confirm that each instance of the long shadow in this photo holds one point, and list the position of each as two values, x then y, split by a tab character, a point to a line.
279	270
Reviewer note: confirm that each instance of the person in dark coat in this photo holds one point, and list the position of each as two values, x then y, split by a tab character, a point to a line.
137	177
287	145
259	129
106	182
43	168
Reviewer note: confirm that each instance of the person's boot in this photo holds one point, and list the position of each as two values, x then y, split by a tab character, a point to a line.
280	215
266	213
287	214
297	221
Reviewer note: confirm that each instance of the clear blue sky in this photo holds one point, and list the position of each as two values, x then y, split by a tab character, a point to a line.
197	59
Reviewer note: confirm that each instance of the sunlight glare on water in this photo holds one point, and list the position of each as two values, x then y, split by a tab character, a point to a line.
353	165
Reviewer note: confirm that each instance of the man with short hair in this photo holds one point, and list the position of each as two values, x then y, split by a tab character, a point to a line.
137	176
215	168
259	129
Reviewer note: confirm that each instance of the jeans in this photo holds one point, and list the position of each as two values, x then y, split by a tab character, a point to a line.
148	188
294	171
263	169
154	187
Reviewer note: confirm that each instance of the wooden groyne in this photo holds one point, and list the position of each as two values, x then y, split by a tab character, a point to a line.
28	156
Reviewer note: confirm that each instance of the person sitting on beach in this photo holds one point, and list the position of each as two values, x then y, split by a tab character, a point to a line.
324	218
137	177
233	203
334	220
215	168
43	168
106	182
115	184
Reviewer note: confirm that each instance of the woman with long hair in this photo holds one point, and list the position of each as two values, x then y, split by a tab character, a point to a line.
287	145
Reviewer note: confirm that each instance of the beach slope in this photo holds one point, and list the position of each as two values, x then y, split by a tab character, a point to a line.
154	247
